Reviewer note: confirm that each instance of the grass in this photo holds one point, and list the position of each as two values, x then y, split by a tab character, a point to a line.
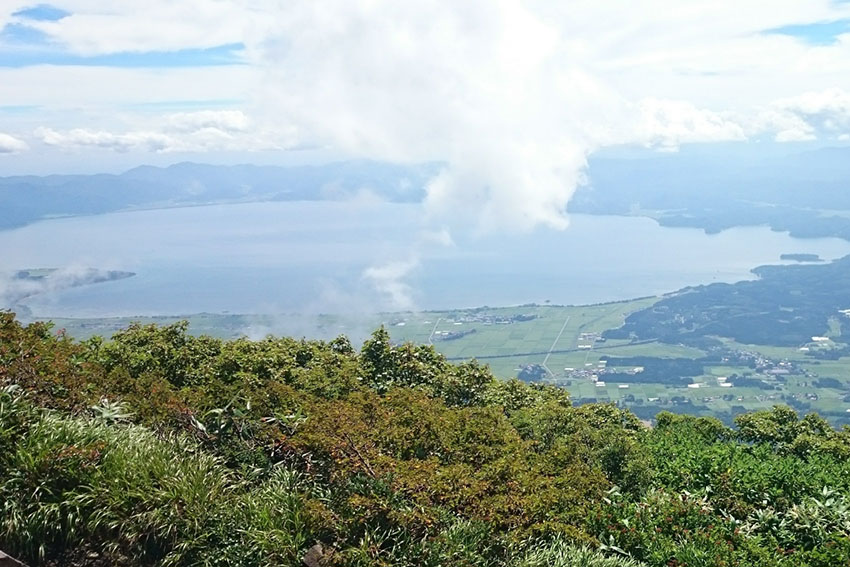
139	498
560	554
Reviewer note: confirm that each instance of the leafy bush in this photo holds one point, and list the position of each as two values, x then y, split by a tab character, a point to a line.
160	448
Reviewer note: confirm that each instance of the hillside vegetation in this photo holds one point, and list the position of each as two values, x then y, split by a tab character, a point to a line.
160	448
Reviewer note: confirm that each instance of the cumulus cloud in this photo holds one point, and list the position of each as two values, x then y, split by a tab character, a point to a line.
11	145
513	96
81	137
184	132
222	120
803	134
826	111
667	124
479	85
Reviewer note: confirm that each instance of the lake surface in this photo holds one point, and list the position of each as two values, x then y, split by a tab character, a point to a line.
312	257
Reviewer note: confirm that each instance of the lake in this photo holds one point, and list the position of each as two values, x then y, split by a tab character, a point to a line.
312	257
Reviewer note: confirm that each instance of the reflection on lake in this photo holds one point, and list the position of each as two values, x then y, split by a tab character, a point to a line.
311	257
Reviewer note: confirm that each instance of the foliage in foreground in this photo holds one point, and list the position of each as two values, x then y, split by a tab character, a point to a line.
159	448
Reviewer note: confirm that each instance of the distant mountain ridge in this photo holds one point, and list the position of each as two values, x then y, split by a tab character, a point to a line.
26	199
805	194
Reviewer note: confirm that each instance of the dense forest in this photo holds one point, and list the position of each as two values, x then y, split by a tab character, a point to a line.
160	448
786	306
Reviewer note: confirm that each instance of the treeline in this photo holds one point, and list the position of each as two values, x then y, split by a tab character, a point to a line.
653	370
160	448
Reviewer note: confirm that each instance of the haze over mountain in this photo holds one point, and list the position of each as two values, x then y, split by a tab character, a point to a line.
711	189
25	199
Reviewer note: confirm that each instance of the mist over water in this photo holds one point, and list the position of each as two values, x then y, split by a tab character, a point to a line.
329	257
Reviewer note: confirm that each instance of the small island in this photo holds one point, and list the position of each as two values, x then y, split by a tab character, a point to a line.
22	284
801	257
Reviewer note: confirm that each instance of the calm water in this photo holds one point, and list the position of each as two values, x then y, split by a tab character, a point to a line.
311	257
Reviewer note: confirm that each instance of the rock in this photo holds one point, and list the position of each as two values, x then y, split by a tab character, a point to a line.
313	557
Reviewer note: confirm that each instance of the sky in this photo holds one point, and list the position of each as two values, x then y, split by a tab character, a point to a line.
512	96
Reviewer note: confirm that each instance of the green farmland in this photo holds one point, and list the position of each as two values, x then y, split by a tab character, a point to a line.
551	335
563	345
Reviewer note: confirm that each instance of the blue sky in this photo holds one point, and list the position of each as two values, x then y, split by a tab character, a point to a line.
42	12
820	33
39	51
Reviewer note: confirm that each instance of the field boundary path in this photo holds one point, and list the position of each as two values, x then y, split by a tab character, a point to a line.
554	344
434	330
542	353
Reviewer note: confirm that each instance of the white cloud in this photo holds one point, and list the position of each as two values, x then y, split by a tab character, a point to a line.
11	145
165	140
222	120
80	137
669	123
814	103
795	135
477	84
95	28
827	111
